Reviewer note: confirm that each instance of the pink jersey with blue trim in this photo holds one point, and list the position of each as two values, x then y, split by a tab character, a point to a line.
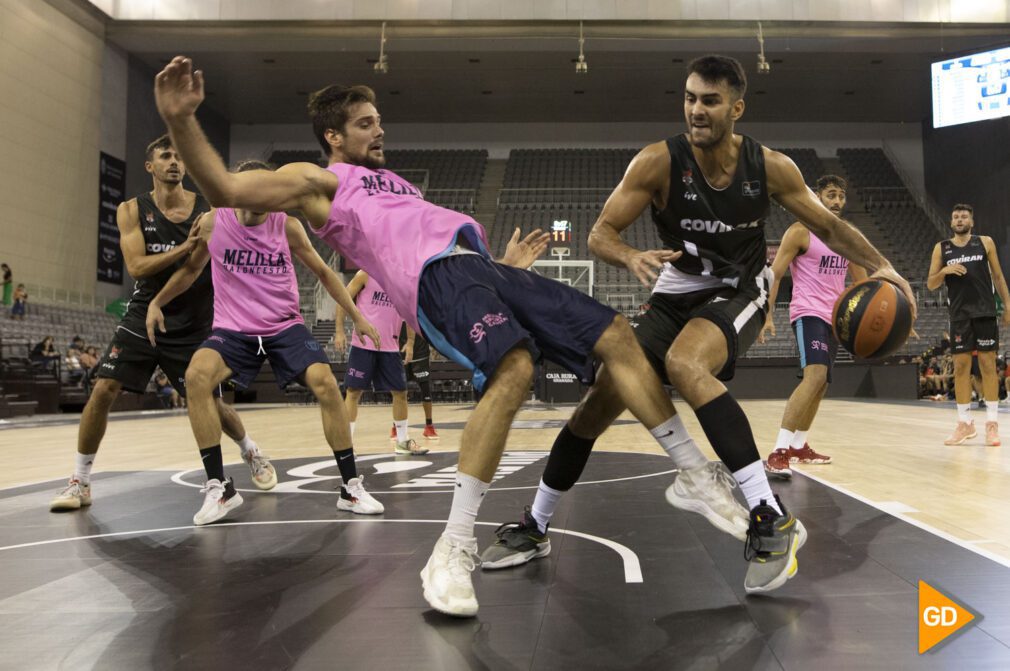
255	289
374	304
381	224
818	281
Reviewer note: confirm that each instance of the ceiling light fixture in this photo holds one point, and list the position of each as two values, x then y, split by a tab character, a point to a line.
581	66
381	67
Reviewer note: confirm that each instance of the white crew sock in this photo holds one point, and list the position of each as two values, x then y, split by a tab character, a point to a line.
544	505
401	430
82	469
799	440
466	499
754	485
784	440
352	428
248	446
964	412
675	440
992	411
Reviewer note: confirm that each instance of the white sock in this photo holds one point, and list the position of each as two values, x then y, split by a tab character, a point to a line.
784	440
352	428
401	430
248	446
754	485
544	505
799	440
992	411
675	440
964	412
82	470
466	500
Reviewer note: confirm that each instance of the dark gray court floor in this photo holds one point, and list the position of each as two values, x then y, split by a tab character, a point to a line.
291	583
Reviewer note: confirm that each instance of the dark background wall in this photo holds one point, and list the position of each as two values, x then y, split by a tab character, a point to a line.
970	164
143	125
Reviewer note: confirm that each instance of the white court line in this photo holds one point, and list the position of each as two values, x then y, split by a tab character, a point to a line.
889	510
632	567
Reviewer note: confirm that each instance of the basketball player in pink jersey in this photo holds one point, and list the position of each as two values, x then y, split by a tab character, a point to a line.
818	279
435	266
257	317
379	366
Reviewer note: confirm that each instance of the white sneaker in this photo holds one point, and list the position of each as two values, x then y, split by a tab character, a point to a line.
446	577
361	502
74	496
220	500
263	474
708	491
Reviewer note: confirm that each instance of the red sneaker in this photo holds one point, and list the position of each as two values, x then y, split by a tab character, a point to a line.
806	455
777	465
392	433
429	432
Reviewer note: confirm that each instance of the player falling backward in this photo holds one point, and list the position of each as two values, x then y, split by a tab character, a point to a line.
256	318
708	190
818	279
970	268
434	264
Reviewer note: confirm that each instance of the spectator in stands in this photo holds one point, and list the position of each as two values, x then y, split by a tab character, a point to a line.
72	365
167	394
76	346
89	362
8	282
20	303
44	354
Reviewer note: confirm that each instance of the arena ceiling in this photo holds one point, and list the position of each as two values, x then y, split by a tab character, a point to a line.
441	73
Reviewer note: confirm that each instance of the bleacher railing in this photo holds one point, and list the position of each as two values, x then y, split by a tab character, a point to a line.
558	196
461	200
40	294
923	200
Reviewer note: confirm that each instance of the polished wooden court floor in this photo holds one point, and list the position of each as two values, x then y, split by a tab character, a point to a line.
287	582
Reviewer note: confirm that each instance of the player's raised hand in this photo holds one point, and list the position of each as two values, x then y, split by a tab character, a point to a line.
522	253
178	89
647	265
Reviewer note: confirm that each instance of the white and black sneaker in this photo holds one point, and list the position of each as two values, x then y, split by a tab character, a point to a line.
708	491
220	499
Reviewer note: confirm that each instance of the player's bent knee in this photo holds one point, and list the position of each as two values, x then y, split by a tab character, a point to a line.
106	391
198	381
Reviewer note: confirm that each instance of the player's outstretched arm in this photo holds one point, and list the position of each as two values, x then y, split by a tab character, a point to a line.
785	184
522	253
178	92
183	278
793	243
298	241
646	177
140	264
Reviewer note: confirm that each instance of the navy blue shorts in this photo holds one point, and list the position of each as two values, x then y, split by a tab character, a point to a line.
474	311
816	341
290	353
380	371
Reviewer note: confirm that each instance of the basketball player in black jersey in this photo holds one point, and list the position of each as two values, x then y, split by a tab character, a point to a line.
708	190
970	268
156	236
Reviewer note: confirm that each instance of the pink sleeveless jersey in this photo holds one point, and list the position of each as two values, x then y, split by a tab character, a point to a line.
375	306
255	289
818	280
381	224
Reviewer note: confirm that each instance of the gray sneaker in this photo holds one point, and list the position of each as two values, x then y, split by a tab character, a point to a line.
708	491
772	543
411	447
518	543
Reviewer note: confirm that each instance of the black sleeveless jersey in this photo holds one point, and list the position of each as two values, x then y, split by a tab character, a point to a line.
969	295
721	232
190	316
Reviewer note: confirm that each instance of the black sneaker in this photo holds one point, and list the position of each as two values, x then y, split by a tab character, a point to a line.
518	543
772	543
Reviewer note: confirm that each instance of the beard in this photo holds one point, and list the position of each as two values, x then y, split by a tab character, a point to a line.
714	137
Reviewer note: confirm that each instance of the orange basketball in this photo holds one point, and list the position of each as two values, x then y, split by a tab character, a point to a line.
872	319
